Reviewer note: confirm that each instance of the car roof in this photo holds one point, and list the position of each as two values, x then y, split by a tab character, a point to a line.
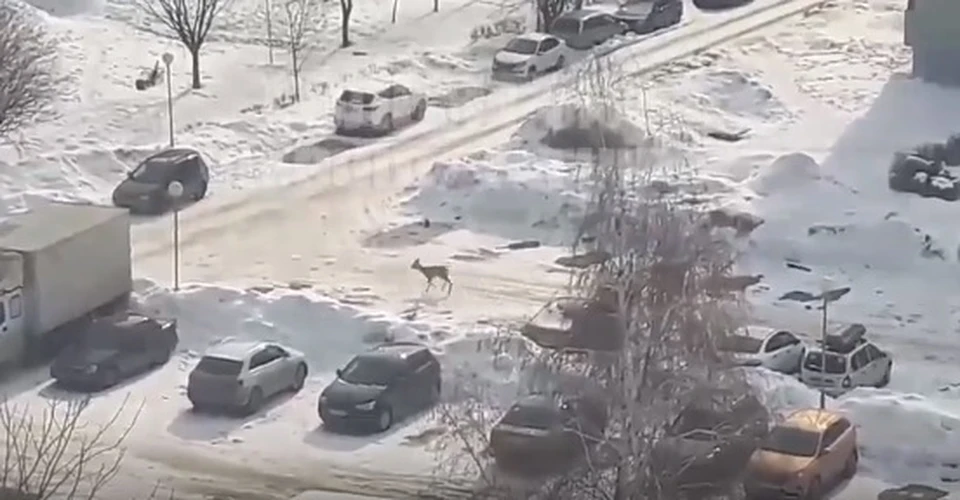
538	401
581	14
534	36
128	319
399	350
237	350
812	419
371	87
173	155
756	331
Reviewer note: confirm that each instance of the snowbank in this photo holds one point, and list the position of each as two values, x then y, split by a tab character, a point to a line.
63	8
328	332
904	437
786	172
513	195
577	129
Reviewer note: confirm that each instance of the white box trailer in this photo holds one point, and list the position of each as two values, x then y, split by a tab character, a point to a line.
59	262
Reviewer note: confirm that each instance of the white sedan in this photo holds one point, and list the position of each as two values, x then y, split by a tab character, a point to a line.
378	110
530	54
777	350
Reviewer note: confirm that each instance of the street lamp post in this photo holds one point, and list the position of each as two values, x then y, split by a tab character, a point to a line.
167	61
175	191
826	284
827	295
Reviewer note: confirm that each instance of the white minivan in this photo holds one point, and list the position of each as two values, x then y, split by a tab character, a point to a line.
847	360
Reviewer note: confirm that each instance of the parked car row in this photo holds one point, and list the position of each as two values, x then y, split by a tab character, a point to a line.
847	360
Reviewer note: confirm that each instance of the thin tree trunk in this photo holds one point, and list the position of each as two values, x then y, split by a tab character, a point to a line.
345	10
393	16
195	61
436	5
296	75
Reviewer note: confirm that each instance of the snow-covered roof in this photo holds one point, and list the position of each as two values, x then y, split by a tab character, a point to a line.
47	224
535	36
235	349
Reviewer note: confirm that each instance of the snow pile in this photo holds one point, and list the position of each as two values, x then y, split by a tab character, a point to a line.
63	8
733	92
513	195
786	172
904	437
575	127
326	331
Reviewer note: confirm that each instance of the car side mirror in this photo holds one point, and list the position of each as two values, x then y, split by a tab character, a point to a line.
339	373
129	174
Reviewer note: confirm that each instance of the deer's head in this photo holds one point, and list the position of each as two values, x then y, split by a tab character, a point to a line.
416	264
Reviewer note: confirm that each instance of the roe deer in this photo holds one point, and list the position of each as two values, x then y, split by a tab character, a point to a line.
431	272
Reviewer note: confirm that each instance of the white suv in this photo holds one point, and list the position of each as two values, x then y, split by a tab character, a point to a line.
848	361
379	110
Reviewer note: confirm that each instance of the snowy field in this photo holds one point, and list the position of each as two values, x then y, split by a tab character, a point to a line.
826	105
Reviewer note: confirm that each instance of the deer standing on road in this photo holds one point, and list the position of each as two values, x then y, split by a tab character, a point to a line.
433	272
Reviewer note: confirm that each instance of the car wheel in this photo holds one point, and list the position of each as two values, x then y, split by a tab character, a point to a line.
813	491
162	358
385	419
111	377
531	72
435	393
850	468
300	377
386	124
419	112
254	401
561	61
200	192
885	381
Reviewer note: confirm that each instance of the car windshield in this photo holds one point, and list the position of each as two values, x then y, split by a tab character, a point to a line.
370	370
835	363
530	416
153	170
219	366
354	97
521	46
792	441
566	25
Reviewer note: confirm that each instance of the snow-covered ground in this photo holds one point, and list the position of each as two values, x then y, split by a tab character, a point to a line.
821	97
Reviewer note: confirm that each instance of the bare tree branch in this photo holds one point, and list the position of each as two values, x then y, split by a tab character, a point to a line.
56	454
302	18
28	83
188	21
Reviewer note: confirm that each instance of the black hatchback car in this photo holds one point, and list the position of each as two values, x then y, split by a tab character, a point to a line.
381	386
115	348
146	188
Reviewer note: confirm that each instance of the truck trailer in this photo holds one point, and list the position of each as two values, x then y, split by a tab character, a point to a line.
59	264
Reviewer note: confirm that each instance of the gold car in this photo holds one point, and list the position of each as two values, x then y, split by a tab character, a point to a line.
811	450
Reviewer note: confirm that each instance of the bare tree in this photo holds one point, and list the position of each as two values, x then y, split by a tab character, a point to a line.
55	454
301	16
655	292
549	10
28	83
346	10
188	21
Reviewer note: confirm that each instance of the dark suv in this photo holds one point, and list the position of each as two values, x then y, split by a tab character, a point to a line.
146	188
381	386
